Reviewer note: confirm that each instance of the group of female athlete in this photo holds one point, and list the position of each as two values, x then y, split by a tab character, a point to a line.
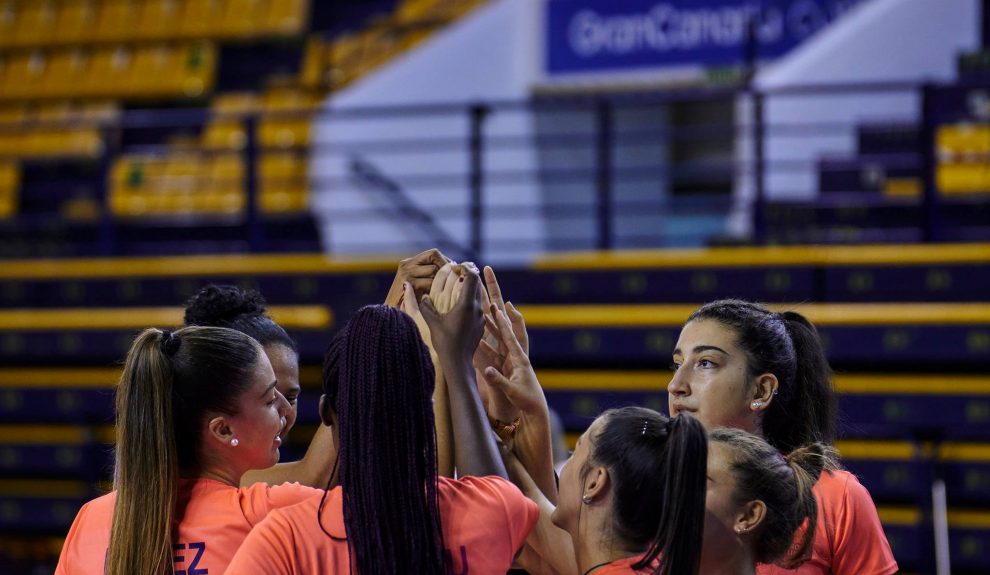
435	451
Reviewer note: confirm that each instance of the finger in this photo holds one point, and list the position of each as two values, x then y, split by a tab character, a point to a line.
409	303
439	281
518	325
515	350
491	327
499	381
431	256
421	285
486	356
422	271
429	312
471	267
470	289
494	291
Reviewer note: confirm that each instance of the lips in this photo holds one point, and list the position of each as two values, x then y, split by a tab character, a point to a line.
677	409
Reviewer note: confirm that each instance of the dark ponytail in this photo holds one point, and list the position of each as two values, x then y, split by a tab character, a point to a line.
378	378
788	346
784	485
658	468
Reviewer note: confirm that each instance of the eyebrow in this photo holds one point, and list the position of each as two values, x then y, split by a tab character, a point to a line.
270	387
702	348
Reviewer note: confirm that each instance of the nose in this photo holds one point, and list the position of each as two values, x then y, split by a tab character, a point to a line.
283	404
678	384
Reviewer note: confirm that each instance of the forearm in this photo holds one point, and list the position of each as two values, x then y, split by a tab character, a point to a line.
549	549
475	452
441	415
533	445
312	470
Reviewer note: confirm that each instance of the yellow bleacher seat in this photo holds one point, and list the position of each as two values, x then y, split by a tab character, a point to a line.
12	114
282	183
963	139
8	22
285	17
159	19
226	174
117	20
196	71
110	68
225	131
152	67
24	76
69	69
963	178
224	134
241	18
312	73
201	19
10	176
35	23
286	118
75	21
902	187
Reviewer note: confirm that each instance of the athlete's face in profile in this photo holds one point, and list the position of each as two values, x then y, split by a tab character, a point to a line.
259	421
710	379
571	488
285	363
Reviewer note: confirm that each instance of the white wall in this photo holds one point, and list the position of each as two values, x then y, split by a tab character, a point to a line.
879	41
486	56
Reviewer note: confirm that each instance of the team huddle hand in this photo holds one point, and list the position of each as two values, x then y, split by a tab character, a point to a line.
456	331
516	380
493	353
419	272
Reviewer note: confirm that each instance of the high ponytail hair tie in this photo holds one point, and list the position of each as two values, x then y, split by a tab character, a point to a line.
169	342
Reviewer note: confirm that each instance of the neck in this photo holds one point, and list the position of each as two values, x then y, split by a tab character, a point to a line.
592	548
728	560
217	474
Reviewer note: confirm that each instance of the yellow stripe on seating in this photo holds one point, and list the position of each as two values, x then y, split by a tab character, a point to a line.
290	317
184	266
42	488
854	449
768	256
656	380
965	452
648	315
41	434
906	516
58	377
966	519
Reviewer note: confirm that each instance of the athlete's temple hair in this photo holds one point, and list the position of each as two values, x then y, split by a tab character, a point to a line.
658	468
788	346
169	383
378	378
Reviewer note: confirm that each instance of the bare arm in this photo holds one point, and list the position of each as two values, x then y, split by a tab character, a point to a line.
312	470
455	336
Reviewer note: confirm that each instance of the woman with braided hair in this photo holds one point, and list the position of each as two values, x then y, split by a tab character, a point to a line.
391	512
737	364
196	409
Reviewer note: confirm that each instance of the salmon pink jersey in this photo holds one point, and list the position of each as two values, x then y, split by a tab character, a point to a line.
213	517
849	539
485	521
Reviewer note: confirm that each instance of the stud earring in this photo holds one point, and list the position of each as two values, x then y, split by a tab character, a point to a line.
739	530
233	442
756	404
586	499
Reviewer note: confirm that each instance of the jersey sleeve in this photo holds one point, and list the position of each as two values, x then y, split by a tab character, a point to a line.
259	499
267	550
69	556
860	546
519	511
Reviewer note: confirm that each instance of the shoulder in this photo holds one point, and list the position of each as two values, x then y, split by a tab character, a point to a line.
259	499
840	486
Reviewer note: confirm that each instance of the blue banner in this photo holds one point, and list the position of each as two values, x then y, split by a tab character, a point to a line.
594	36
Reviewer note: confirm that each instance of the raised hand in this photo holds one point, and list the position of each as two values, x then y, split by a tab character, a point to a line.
455	333
419	271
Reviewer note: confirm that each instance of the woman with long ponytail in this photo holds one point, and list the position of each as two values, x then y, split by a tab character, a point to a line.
196	409
391	513
738	364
